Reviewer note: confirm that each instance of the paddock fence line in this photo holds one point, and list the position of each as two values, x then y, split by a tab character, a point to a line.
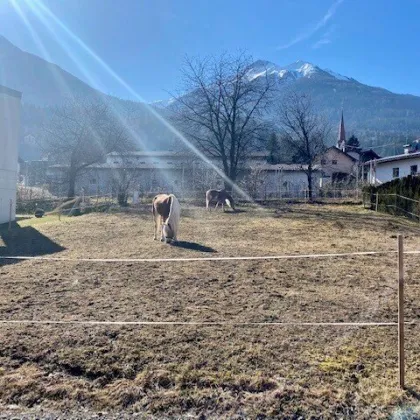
136	197
198	259
400	324
381	202
109	204
81	205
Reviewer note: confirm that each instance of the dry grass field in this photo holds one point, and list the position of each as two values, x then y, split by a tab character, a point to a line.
222	371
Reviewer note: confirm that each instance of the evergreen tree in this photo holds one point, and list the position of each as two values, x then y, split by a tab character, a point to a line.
353	144
273	148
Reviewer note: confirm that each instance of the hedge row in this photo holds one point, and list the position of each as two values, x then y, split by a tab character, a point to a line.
394	196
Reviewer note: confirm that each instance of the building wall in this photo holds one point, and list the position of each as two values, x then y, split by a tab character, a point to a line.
275	184
187	181
105	180
384	171
335	161
9	143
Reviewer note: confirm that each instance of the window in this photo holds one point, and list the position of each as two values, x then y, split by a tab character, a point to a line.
413	169
92	181
395	172
334	162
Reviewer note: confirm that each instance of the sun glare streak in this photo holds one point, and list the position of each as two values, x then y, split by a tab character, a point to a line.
38	42
40	5
84	71
41	46
93	81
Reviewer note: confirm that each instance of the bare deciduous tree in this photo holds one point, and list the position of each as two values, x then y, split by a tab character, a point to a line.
304	133
125	179
80	133
222	113
255	183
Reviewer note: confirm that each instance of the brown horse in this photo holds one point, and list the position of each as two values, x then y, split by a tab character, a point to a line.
220	197
166	214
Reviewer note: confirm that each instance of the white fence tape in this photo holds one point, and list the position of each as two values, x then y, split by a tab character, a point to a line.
196	259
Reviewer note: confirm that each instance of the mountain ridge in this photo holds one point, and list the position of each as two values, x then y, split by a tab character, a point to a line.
375	114
14	62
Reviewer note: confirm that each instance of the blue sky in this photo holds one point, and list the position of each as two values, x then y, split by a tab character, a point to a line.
145	41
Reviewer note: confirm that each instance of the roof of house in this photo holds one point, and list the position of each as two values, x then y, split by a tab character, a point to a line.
370	152
152	153
394	158
171	153
164	166
340	151
10	92
282	167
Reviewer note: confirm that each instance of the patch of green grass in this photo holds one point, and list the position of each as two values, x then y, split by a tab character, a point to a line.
43	220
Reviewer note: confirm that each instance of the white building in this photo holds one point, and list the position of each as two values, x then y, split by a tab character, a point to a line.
9	143
264	181
184	174
392	167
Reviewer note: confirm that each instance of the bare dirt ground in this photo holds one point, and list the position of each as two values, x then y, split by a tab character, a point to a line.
226	371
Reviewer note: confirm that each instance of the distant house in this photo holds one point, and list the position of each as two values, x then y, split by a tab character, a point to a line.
386	169
9	143
282	180
149	172
182	173
336	165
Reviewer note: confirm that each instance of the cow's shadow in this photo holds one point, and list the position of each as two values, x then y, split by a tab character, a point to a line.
25	242
193	246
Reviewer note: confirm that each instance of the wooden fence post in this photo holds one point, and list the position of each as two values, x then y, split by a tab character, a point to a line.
396	204
377	201
401	356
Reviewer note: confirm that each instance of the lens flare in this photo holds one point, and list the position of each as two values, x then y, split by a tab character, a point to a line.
38	42
81	67
39	8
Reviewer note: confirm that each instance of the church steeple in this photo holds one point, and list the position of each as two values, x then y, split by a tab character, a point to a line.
341	141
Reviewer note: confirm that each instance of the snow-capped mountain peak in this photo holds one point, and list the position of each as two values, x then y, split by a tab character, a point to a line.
292	71
301	66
